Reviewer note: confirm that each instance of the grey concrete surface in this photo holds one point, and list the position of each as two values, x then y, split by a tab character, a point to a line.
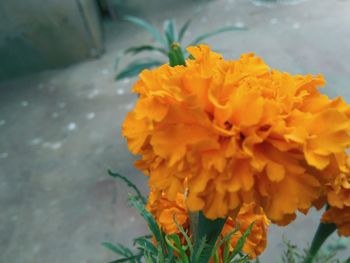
60	130
37	35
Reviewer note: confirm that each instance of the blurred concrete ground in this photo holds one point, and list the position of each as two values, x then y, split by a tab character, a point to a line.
60	130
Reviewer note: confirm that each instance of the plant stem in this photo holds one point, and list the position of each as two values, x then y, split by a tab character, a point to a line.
322	233
209	230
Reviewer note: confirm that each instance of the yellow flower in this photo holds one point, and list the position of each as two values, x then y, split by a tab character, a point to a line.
234	132
164	211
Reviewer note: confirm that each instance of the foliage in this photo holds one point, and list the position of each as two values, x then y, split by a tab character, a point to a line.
163	44
169	248
130	184
327	254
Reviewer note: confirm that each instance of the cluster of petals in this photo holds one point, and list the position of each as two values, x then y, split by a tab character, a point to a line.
339	204
256	242
229	132
166	211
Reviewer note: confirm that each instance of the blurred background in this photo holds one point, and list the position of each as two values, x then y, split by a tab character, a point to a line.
61	109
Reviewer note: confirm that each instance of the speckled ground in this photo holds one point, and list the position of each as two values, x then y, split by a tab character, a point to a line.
60	130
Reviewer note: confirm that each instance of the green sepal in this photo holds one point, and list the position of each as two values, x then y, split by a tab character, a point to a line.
176	56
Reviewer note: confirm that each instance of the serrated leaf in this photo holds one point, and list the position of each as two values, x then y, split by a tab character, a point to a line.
216	32
169	30
148	258
127	259
181	250
129	183
226	238
183	232
198	252
169	239
118	249
136	67
145	237
183	30
151	29
146	244
241	241
151	222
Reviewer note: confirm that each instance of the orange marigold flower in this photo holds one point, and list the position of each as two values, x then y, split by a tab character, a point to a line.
257	240
339	200
340	217
234	132
340	196
165	210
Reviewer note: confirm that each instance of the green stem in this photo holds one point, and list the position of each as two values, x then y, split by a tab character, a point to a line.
322	233
209	230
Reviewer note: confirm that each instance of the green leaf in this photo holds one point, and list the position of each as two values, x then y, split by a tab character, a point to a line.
151	222
240	242
169	30
183	232
144	237
210	229
119	58
183	30
215	32
144	24
177	247
161	253
202	246
148	258
168	239
118	249
291	253
216	257
136	50
136	67
134	258
226	238
242	259
129	183
322	233
146	245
